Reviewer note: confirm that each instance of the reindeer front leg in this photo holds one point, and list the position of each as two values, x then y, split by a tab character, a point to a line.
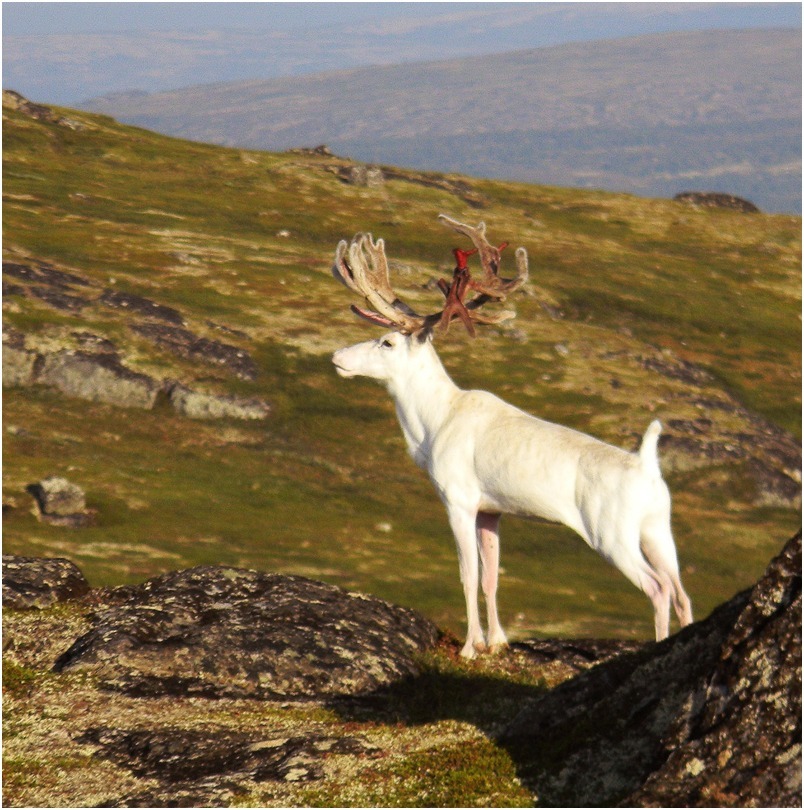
463	526
488	542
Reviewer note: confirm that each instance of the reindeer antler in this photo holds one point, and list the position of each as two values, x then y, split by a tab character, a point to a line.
491	285
362	266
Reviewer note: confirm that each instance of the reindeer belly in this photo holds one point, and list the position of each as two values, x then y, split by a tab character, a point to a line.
546	498
521	473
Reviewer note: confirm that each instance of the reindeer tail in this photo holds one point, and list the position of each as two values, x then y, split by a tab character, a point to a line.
648	454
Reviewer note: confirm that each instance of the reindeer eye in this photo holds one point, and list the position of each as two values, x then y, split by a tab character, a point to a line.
386	343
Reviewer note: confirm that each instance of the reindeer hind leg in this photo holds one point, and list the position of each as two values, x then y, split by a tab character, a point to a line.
660	551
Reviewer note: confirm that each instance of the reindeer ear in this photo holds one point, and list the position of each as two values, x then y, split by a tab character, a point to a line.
423	335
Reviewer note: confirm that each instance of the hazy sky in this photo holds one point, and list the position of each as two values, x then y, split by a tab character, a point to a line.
25	18
71	18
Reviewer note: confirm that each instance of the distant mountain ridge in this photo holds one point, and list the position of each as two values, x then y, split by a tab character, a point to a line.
652	115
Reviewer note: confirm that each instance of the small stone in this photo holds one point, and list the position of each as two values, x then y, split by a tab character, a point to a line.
58	496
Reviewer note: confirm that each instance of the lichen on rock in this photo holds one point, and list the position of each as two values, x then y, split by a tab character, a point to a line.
216	631
36	582
711	716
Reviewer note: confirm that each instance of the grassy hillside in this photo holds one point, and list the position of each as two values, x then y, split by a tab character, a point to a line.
654	115
637	309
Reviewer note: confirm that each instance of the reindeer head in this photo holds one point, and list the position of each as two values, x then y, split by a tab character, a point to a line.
362	266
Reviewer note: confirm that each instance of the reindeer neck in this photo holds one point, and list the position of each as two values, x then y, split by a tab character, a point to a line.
423	396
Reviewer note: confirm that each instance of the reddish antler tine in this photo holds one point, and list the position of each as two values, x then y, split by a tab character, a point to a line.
490	284
462	256
455	308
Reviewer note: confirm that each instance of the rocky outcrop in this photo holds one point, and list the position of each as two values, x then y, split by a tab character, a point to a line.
144	306
98	378
228	632
183	343
710	717
199	768
772	455
34	582
362	175
322	150
197	405
47	283
715	199
44	273
38	111
99	375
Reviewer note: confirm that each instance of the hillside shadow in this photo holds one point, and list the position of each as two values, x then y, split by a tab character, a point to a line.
485	701
487	693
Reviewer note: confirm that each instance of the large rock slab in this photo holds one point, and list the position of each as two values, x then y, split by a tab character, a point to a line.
709	717
217	631
38	582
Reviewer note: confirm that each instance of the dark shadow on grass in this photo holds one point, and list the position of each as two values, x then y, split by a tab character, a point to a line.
488	692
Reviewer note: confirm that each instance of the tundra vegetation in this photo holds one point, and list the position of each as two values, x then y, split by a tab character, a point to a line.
636	309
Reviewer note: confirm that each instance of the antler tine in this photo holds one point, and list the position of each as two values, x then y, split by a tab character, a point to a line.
363	268
491	284
341	269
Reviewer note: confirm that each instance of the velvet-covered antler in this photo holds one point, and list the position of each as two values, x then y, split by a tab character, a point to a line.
362	266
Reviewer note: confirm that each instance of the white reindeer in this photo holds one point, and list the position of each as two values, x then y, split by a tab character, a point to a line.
486	457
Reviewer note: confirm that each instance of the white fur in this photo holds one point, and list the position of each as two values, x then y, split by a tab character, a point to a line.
487	458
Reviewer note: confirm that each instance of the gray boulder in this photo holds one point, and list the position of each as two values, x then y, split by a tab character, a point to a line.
218	631
36	582
61	502
362	175
198	405
99	378
58	496
19	365
709	717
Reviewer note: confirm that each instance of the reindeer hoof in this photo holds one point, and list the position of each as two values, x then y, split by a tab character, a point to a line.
472	648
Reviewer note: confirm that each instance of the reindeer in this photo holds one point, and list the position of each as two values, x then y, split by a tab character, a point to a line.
487	458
